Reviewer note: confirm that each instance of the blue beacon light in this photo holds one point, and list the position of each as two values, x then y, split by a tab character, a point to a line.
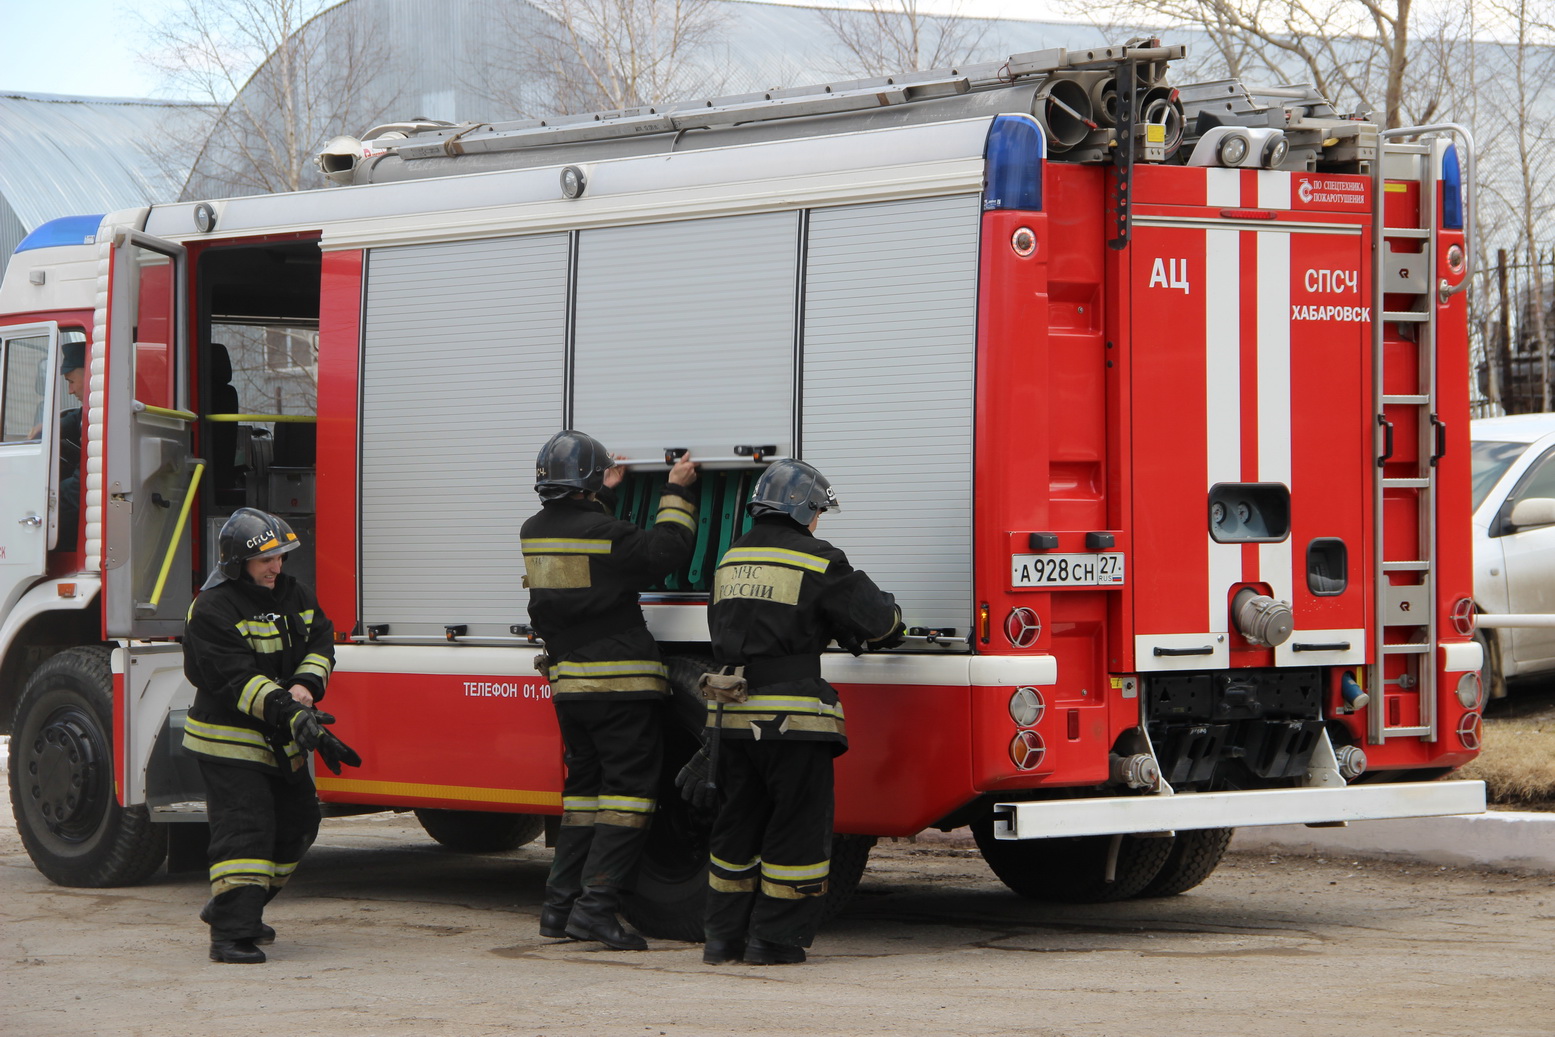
1012	164
1452	189
67	230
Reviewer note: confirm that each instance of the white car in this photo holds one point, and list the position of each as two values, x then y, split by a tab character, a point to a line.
1514	541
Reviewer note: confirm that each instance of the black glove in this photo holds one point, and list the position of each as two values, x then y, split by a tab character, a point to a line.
334	752
304	725
695	781
893	639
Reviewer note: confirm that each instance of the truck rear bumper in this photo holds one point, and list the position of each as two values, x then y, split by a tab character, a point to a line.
1189	810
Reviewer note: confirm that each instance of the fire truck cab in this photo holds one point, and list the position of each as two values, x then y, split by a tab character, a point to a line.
1149	404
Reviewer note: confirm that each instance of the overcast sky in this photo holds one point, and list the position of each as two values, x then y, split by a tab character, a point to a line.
92	47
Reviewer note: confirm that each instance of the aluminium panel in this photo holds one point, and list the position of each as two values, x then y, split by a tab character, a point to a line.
890	331
685	334
462	362
1188	811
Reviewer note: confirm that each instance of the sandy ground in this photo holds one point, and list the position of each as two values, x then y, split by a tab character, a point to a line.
384	932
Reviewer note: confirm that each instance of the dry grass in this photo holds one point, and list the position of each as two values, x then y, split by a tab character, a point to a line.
1518	762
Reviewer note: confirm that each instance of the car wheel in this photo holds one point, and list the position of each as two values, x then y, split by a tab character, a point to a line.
1491	672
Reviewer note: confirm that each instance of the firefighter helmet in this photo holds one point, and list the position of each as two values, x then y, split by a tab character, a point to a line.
249	533
571	462
792	488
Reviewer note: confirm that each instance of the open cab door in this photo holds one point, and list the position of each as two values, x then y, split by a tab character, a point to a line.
29	356
149	476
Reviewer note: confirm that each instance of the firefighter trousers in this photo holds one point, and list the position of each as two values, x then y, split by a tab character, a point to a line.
614	751
771	844
261	825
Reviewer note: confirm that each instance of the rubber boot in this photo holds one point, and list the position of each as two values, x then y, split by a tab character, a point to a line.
723	952
553	922
236	952
594	918
266	934
760	952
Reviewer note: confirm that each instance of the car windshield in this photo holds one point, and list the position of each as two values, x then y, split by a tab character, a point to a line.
1491	460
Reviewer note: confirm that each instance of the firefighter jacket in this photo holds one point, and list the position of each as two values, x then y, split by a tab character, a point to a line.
780	596
244	647
584	569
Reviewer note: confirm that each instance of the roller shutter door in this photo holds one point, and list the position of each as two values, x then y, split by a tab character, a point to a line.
889	364
463	358
685	334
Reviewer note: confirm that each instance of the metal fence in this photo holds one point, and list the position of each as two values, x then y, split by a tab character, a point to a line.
1511	335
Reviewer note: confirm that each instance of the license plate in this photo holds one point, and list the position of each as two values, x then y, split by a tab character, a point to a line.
1053	570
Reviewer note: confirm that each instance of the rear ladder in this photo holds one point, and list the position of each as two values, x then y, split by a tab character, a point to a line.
1405	264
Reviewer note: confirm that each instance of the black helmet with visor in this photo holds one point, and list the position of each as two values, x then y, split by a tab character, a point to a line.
249	533
792	488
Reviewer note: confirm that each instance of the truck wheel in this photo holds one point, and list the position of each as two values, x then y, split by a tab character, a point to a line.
480	831
1071	870
672	878
849	856
1194	856
62	779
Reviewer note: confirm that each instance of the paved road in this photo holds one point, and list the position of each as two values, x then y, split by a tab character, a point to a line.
384	933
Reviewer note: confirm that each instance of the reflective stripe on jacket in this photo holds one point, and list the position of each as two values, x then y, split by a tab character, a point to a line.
781	595
584	569
244	646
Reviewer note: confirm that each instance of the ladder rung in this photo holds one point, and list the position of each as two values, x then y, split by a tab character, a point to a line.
1405	484
1405	232
1412	730
1405	649
1406	401
1406	567
1405	316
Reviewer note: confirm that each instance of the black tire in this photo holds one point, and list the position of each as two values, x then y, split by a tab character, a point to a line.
1071	870
62	779
671	891
672	876
849	857
1491	674
1194	856
480	831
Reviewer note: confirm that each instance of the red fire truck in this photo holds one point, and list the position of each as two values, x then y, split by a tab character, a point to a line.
1148	403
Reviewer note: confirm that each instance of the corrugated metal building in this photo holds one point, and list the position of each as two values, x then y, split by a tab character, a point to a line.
439	59
462	61
69	156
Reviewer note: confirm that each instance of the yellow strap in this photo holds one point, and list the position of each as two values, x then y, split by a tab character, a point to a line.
178	532
307	419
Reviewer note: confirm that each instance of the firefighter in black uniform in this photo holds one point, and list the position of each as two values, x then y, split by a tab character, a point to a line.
259	652
584	569
780	597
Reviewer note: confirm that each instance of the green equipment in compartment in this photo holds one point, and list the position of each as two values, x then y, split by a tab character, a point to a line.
721	518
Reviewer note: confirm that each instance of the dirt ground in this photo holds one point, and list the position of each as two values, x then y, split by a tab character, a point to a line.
382	932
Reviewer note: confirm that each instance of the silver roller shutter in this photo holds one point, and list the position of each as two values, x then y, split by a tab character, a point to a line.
463	357
889	362
685	334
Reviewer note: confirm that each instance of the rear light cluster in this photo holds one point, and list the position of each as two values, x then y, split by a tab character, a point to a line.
1027	750
1471	691
1469	731
1465	617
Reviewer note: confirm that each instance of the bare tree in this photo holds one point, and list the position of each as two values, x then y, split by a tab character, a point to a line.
901	36
288	75
1518	142
598	55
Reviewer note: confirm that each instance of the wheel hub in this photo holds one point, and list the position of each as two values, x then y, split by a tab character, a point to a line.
63	762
